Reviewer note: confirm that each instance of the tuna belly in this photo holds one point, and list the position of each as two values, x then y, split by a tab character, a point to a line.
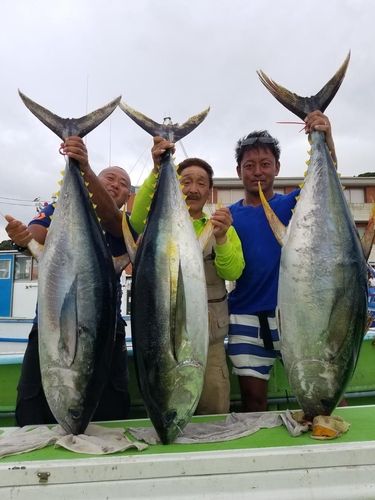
317	385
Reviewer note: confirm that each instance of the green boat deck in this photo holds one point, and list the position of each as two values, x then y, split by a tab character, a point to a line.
361	429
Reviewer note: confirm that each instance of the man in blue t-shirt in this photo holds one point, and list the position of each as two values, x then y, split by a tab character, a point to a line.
253	336
110	190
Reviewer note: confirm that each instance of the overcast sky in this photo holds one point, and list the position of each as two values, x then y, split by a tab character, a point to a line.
176	58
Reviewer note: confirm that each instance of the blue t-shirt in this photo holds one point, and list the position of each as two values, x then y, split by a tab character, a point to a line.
116	246
256	288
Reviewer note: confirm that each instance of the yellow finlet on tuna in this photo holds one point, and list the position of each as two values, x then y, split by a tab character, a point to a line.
59	183
307	162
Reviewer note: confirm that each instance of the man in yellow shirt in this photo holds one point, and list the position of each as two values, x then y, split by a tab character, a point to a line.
223	260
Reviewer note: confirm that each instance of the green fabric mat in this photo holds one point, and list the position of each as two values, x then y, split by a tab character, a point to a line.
362	428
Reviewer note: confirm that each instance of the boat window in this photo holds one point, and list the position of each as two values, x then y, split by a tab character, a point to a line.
23	268
35	269
4	269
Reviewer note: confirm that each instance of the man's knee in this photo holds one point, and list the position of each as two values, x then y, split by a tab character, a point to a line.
254	394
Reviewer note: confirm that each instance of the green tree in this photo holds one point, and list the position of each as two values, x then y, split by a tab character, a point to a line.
5	245
367	174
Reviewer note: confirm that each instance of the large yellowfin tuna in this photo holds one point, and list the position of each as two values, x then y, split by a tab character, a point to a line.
322	296
77	289
169	302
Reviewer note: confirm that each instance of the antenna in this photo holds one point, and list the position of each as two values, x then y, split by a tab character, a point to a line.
183	149
110	141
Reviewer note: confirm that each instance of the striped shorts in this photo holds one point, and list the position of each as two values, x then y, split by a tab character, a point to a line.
246	348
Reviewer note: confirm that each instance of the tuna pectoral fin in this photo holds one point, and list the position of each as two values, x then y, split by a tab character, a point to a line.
65	127
368	237
302	106
278	228
177	302
178	319
69	328
130	244
173	132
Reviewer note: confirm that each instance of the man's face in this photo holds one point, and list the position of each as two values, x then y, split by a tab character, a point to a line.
258	165
117	183
196	188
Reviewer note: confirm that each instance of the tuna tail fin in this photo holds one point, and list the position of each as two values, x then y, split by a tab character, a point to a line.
302	106
65	127
170	131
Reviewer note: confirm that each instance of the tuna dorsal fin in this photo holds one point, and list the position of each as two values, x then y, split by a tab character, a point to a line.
278	228
206	233
69	328
171	131
65	127
130	244
302	106
367	239
36	249
121	262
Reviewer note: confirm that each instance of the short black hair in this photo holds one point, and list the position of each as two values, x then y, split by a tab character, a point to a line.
273	145
197	162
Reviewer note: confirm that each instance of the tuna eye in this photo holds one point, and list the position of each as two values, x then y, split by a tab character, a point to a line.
169	416
75	413
328	404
